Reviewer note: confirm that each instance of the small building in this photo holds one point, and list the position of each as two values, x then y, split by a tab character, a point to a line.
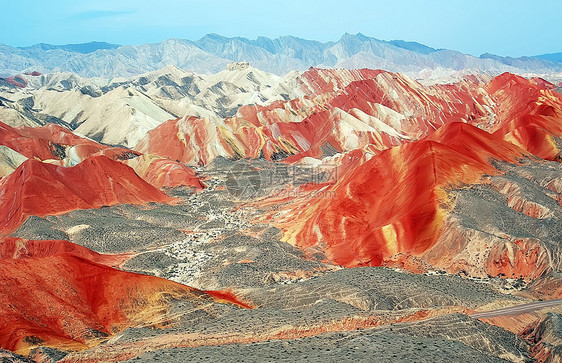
237	66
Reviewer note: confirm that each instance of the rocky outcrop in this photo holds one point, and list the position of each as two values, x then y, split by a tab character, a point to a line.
546	337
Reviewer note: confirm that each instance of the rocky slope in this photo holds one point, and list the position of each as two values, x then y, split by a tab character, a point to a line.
76	299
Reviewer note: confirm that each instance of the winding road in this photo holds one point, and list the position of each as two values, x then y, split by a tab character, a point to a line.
518	309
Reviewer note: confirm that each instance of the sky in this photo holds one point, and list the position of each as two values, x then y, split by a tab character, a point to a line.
507	28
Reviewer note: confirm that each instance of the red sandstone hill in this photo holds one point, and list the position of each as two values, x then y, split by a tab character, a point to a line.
394	202
41	189
57	294
397	204
47	142
157	171
54	143
346	110
530	114
97	176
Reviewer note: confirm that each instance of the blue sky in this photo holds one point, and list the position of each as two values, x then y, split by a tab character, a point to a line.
513	28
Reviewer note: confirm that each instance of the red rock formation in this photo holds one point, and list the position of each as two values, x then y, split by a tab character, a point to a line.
17	81
317	81
190	145
395	202
475	253
164	173
556	186
41	189
349	110
47	142
354	111
18	248
157	171
54	295
522	258
529	114
543	83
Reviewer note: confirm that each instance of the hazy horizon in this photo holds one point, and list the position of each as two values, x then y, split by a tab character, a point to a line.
506	28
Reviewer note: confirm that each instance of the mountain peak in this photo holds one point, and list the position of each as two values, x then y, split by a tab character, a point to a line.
413	46
214	36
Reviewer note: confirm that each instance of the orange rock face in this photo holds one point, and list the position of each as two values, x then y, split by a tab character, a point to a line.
40	189
42	142
57	294
164	173
393	203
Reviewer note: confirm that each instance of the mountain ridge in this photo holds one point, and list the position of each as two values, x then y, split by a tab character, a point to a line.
212	52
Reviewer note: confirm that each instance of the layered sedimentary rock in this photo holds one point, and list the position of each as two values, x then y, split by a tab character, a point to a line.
156	170
65	296
529	114
121	111
48	142
164	173
346	110
37	188
56	145
395	202
401	204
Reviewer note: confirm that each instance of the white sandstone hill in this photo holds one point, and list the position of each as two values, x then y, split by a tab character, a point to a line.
120	111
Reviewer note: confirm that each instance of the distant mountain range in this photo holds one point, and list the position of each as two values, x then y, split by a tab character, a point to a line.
211	53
